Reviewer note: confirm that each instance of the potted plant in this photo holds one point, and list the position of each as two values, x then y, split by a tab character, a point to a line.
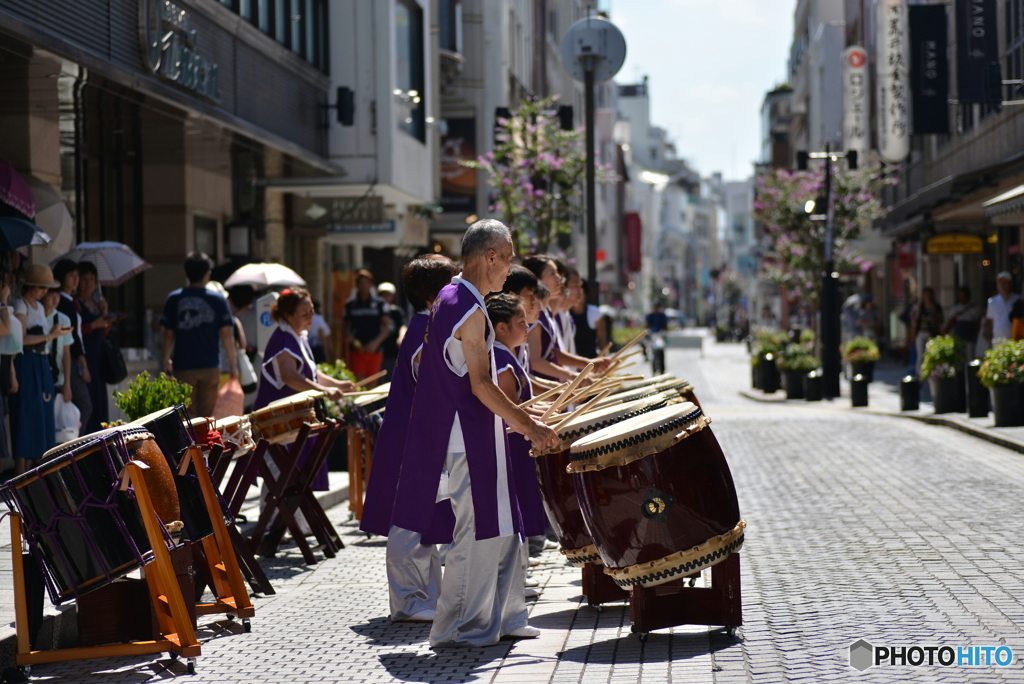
861	353
146	395
342	411
1002	372
941	366
765	374
795	361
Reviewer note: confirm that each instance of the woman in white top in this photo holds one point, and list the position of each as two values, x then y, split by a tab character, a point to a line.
32	418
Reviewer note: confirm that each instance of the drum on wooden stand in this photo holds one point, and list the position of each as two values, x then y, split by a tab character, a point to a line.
279	422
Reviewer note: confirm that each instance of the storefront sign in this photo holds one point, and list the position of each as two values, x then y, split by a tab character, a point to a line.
634	242
893	95
387	226
855	101
322	211
168	48
977	43
458	183
929	70
955	243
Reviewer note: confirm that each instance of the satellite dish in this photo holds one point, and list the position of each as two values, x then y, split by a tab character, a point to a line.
594	44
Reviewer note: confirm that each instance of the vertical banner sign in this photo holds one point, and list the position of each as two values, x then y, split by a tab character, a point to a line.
977	46
634	246
855	101
929	70
458	183
893	94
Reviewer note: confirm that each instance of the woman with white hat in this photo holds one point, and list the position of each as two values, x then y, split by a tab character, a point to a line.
32	418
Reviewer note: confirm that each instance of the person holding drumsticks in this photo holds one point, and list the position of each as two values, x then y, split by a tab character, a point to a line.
288	366
412	561
460	444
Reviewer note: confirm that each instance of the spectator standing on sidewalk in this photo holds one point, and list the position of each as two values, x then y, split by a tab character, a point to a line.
997	326
368	322
66	273
96	322
320	336
868	321
394	339
32	417
963	321
925	323
590	325
196	323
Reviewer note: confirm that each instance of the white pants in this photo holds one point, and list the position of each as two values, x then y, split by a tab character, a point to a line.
482	589
414	574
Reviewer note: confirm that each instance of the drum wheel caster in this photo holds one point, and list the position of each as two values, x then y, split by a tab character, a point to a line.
730	632
173	657
693	581
230	617
191	666
599	608
246	625
643	636
25	671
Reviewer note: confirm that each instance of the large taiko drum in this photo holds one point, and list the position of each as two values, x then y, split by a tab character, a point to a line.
235	432
81	527
279	421
657	495
556	487
677	388
172	430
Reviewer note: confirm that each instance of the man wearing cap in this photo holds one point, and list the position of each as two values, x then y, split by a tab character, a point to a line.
390	346
996	326
368	325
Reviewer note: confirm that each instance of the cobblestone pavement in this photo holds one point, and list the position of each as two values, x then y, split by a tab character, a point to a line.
860	526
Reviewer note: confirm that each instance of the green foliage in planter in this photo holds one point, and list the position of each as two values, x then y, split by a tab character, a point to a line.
1003	365
860	350
767	341
147	395
797	357
942	358
341	411
807	337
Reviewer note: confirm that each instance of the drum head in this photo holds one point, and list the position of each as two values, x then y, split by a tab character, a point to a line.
636	437
592	421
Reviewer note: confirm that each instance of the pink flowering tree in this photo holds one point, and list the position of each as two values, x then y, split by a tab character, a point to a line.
536	172
796	255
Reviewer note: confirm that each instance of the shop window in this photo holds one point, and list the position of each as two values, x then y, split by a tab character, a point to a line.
449	24
206	235
409	90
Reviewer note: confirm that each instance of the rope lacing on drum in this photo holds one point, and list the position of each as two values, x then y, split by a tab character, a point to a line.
586	430
636	440
685	568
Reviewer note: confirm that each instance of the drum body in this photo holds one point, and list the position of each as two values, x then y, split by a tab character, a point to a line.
558	492
81	527
173	433
658	506
279	422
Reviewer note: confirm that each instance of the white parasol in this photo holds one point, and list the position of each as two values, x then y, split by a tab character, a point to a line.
115	262
264	275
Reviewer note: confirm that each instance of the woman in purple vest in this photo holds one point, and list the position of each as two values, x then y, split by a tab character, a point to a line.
413	564
460	451
288	366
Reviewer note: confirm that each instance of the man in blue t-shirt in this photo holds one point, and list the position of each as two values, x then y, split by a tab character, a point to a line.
196	322
657	321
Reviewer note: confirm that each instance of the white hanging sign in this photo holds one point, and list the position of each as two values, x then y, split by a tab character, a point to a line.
893	68
856	122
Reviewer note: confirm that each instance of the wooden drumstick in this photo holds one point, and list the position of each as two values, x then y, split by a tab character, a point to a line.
605	349
364	393
618	354
541	397
599	386
376	376
564	396
581	410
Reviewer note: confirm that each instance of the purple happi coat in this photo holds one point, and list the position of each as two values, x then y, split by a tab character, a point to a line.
390	446
549	342
285	340
524	466
444	394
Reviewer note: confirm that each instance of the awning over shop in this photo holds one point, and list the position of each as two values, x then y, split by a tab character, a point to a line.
1008	207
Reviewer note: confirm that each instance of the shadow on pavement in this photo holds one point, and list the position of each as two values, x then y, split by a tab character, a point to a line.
660	647
464	664
382	631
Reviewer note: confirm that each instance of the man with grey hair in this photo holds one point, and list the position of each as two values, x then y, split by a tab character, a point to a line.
460	443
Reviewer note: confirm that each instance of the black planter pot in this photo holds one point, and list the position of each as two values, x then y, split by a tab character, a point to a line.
949	395
755	376
910	394
794	381
858	391
1007	405
865	368
769	374
977	394
812	386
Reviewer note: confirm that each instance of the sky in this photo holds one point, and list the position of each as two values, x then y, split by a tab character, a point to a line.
710	63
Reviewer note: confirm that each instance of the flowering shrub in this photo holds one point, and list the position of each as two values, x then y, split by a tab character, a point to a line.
797	357
536	172
942	358
796	258
860	349
767	341
1003	364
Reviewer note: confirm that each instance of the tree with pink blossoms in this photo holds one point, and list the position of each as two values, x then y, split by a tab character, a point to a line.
536	172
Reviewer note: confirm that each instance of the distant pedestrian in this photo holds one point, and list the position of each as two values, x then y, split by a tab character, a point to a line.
196	323
96	322
925	323
590	325
66	273
32	417
868	322
394	339
368	324
996	326
320	337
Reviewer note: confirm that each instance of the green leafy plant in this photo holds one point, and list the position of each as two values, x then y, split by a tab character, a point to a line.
861	350
796	357
342	410
767	341
942	358
1003	365
147	395
807	336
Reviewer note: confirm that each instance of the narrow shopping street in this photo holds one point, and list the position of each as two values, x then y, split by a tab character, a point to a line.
860	526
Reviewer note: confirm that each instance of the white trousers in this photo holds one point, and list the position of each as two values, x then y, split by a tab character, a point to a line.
482	588
414	574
